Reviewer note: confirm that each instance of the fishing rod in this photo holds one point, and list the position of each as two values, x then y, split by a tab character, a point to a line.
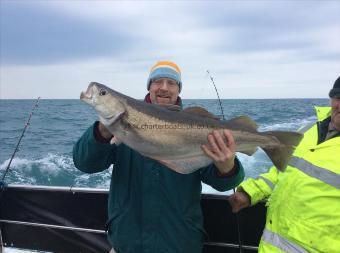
35	105
218	96
237	217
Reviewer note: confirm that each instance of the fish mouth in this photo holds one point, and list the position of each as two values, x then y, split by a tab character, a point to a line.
87	95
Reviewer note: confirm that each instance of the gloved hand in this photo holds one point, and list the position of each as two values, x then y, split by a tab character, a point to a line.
238	201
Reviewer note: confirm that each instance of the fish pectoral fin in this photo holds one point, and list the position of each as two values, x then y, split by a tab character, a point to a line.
185	165
111	120
117	117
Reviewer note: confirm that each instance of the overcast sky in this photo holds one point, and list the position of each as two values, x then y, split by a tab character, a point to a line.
253	49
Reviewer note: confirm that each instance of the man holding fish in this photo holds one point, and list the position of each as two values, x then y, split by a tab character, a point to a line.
155	192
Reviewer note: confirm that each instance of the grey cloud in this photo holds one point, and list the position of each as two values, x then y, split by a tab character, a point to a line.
36	35
256	26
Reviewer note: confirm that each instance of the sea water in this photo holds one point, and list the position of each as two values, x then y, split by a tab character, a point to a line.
45	153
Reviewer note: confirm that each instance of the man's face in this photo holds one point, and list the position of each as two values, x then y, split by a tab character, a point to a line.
335	104
164	91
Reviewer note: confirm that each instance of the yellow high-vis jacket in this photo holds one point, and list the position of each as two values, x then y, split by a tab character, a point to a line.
303	207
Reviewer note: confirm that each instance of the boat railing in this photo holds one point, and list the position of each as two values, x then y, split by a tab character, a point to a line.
70	219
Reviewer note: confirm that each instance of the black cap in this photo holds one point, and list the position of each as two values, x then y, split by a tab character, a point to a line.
335	92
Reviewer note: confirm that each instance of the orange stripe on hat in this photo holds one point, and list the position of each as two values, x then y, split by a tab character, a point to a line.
166	64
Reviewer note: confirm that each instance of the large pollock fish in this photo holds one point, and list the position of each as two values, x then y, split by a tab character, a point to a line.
174	137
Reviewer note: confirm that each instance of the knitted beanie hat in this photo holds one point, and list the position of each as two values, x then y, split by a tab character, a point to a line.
335	92
165	69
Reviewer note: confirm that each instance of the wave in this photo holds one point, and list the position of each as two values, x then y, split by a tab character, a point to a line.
50	164
294	125
52	170
59	170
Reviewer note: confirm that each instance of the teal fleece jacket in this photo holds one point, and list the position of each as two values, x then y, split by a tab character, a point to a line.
151	208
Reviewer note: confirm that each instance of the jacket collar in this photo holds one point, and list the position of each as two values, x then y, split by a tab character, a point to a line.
322	112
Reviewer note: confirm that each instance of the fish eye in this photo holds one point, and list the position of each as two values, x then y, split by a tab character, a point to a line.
102	92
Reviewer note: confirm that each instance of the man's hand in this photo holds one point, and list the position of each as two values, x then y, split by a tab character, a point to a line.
238	201
221	152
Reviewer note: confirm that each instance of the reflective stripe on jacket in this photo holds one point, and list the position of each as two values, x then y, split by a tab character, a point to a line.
304	201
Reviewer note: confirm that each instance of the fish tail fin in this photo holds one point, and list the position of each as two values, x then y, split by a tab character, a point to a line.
281	154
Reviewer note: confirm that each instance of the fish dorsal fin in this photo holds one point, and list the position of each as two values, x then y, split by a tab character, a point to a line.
201	112
244	122
172	107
